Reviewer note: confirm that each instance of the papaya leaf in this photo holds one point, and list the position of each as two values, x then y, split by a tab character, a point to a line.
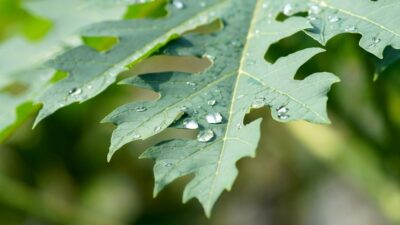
21	59
216	100
376	21
91	72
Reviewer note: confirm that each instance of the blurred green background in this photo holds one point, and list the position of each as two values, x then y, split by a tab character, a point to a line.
344	174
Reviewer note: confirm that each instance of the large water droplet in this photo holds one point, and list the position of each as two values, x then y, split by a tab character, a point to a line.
178	4
140	109
214	118
288	9
190	124
205	136
282	109
282	113
283	117
75	91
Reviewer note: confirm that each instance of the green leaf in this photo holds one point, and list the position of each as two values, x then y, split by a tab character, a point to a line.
376	21
91	72
21	59
218	99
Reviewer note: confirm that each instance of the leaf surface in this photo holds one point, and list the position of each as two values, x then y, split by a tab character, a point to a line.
215	101
376	21
91	72
21	59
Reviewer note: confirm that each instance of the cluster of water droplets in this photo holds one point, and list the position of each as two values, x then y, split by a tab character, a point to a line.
282	113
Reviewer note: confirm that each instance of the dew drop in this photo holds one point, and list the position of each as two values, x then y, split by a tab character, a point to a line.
376	40
333	19
74	92
178	4
288	9
214	118
157	129
184	109
202	4
140	109
205	136
191	83
314	9
239	126
136	136
282	110
167	164
190	124
283	117
311	18
258	103
212	102
350	28
240	96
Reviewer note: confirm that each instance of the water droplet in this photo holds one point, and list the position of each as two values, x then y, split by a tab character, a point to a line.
191	83
283	117
376	40
350	28
214	118
136	136
140	109
288	9
167	164
205	136
239	126
212	102
282	110
311	18
282	113
314	9
202	4
89	86
333	19
178	4
190	124
240	96
258	103
157	129
265	5
184	108
75	91
235	43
